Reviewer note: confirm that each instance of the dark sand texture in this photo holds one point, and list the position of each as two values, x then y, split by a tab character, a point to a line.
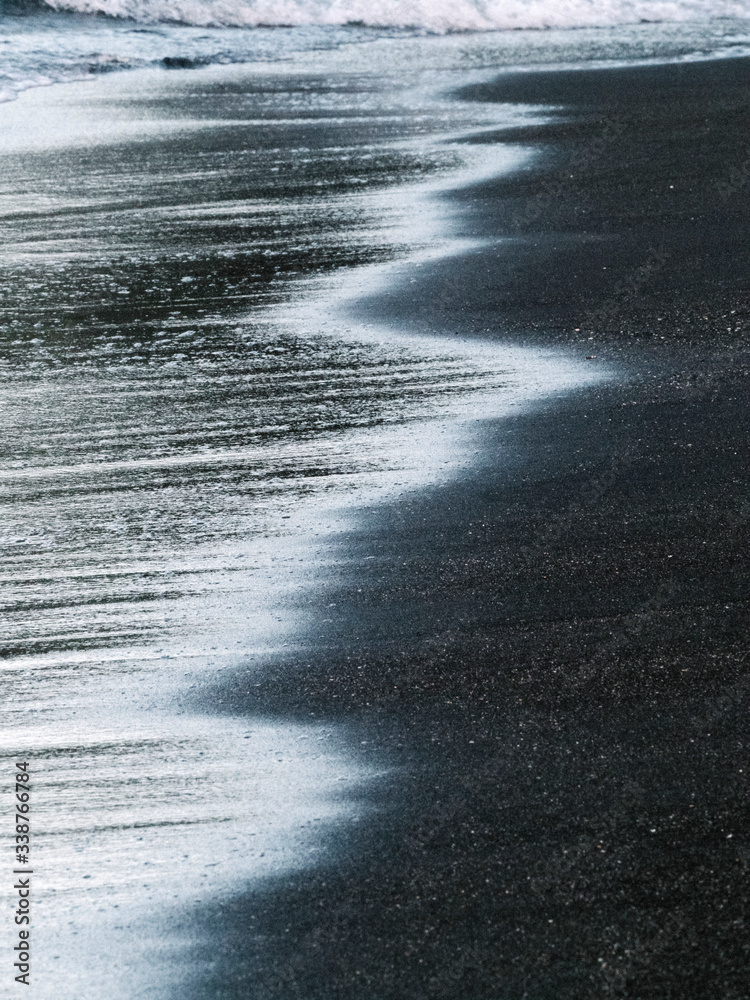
635	217
551	652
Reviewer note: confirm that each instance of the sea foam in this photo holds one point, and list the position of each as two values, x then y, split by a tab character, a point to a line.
441	16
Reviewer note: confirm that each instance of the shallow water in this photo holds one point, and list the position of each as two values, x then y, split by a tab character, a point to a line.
39	46
160	398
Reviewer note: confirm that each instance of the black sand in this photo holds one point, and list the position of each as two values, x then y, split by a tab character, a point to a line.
552	651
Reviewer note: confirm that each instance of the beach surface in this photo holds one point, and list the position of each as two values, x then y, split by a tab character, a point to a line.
472	723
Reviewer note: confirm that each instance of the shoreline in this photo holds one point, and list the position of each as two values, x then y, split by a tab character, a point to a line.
525	654
123	392
551	651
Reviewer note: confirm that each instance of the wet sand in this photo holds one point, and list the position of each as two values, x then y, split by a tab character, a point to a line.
548	655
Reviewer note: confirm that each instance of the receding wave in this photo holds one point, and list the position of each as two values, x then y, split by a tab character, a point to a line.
431	15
